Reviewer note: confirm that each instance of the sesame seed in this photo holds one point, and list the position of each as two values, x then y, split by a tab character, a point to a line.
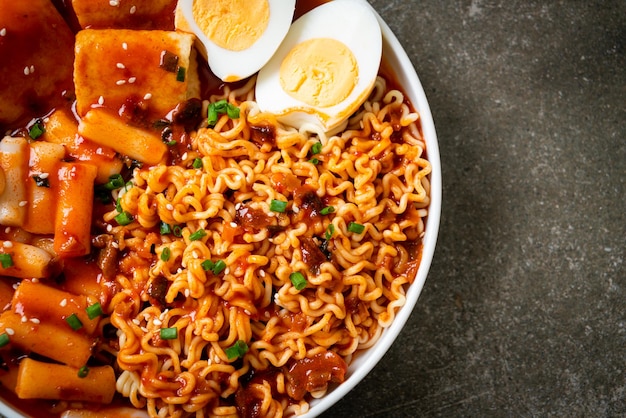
3	32
15	286
157	322
7	229
24	319
35	320
148	96
114	3
120	65
226	270
9	331
44	175
187	293
136	321
132	79
262	273
34	280
124	45
109	228
233	224
115	245
7	244
100	100
63	303
26	70
120	82
23	203
237	206
184	157
144	329
169	206
247	312
133	9
32	69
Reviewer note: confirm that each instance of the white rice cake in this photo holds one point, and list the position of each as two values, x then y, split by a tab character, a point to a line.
135	14
152	71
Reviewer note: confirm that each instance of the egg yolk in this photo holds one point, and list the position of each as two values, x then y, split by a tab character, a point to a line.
319	72
234	25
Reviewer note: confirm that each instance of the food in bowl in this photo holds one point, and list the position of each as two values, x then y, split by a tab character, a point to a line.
170	247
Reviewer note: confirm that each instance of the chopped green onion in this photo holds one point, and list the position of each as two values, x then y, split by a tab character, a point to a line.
208	265
278	206
314	161
74	322
219	267
330	231
216	268
118	205
4	339
199	234
169	333
41	182
115	182
180	74
298	280
316	148
170	143
165	229
94	311
327	210
124	218
6	260
221	107
83	372
166	254
36	130
356	228
236	350
197	163
177	230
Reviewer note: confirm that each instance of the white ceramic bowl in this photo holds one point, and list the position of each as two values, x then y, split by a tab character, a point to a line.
365	361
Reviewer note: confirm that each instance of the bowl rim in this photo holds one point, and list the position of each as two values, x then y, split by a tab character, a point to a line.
407	77
365	361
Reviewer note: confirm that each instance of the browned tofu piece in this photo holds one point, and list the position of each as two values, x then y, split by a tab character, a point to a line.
134	72
37	50
125	14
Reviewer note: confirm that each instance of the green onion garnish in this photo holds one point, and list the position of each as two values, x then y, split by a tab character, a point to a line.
180	74
94	311
314	161
83	372
165	229
208	265
221	107
166	254
316	148
124	218
74	322
115	182
41	182
6	260
118	205
4	339
219	267
236	350
356	228
327	210
170	143
197	163
169	333
199	234
177	230
330	231
36	130
298	280
278	206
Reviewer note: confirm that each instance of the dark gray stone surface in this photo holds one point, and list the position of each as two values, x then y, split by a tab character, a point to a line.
524	311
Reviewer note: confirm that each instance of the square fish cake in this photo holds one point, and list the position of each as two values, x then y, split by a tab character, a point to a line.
149	71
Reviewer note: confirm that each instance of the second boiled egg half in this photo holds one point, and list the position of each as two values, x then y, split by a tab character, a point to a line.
237	37
325	68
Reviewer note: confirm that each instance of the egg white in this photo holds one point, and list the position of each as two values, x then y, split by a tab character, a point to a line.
231	65
351	22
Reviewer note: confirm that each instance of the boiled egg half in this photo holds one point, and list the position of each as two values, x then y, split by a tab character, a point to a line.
325	68
237	37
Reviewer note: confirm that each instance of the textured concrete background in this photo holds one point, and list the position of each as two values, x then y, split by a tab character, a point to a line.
524	312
